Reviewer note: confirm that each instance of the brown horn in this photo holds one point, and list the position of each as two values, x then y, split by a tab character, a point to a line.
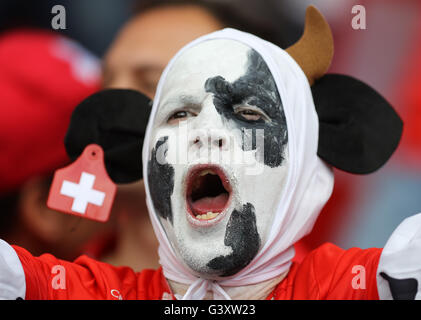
314	50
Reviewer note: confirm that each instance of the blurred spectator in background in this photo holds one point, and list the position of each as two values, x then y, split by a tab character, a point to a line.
43	76
159	28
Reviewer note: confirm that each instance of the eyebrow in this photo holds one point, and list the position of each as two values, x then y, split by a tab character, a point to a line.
250	89
176	102
181	100
237	93
108	72
148	68
189	99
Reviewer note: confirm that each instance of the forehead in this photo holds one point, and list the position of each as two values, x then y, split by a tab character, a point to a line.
188	74
154	36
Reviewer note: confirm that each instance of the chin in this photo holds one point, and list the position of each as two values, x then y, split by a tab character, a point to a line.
202	207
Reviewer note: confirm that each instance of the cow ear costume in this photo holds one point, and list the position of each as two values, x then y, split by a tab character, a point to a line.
335	118
116	120
359	130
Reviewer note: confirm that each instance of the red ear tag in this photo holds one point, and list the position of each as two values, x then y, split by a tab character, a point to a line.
84	188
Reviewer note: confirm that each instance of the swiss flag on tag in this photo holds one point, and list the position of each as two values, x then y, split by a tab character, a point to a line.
84	187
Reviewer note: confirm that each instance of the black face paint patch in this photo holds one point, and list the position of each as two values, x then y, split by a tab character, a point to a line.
401	289
255	88
241	235
161	180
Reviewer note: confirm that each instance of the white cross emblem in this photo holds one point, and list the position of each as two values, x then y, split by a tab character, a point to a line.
83	193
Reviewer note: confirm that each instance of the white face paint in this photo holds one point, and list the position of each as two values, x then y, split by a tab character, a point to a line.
218	144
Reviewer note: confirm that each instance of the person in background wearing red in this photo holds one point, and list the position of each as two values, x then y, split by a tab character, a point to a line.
43	76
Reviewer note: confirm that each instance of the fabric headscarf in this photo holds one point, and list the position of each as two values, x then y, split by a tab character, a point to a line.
308	187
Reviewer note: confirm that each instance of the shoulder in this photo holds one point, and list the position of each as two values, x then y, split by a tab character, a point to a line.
47	277
152	285
344	274
330	272
333	257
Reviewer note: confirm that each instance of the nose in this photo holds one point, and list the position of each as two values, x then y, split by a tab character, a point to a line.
208	129
201	140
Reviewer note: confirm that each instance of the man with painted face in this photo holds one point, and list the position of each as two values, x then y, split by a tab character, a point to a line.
219	182
225	219
237	160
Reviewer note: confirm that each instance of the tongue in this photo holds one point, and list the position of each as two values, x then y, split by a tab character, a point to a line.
210	204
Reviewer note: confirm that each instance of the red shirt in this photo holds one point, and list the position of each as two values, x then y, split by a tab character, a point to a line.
326	273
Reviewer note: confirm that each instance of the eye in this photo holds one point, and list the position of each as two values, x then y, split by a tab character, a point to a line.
251	114
180	115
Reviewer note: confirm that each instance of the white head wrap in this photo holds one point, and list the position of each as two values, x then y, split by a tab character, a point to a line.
308	186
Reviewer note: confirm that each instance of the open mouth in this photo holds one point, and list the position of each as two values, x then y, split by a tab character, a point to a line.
208	192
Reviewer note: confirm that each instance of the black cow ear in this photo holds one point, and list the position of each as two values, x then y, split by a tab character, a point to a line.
115	119
359	130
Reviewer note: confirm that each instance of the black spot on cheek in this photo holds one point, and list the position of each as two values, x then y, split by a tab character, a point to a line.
161	180
274	143
401	289
242	236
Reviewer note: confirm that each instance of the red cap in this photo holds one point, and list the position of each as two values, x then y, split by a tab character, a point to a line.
43	76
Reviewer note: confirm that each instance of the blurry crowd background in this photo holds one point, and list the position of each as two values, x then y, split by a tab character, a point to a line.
363	210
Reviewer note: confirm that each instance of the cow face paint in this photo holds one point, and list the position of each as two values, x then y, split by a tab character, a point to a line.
221	136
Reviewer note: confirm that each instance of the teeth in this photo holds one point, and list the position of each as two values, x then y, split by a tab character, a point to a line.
207	216
207	171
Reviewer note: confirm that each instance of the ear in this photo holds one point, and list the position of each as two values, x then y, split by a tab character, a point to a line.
115	119
359	130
